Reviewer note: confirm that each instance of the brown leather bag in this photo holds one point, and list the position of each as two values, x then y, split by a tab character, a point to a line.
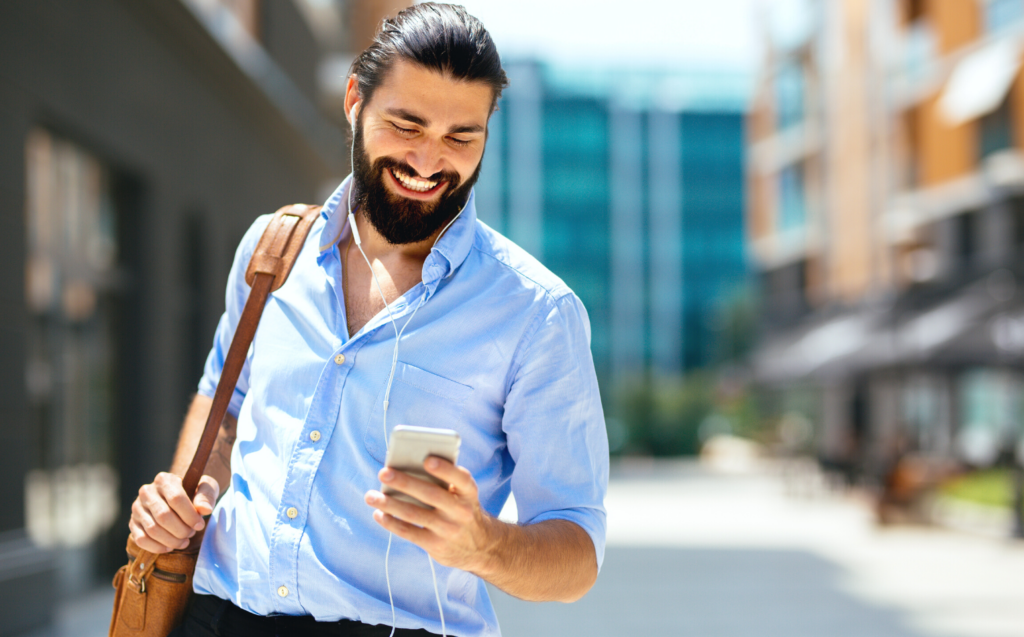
153	589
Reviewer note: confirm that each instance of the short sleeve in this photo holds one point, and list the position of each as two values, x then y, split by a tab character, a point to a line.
554	424
235	296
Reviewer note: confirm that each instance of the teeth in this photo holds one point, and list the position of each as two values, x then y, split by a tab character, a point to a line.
413	183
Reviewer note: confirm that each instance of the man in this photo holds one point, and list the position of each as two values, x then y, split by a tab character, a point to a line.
492	345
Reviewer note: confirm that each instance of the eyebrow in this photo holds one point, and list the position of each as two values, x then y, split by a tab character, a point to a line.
409	116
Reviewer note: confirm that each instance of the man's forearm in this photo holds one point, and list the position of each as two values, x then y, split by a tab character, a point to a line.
218	466
553	560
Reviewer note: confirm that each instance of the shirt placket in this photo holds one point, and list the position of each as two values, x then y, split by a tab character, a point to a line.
317	431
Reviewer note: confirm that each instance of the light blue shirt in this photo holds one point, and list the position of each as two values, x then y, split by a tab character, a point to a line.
499	351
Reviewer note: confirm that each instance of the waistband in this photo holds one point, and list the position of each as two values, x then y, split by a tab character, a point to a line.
210	614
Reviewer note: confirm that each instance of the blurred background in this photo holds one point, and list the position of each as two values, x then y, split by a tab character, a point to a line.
797	226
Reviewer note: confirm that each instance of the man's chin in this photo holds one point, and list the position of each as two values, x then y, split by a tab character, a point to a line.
411	206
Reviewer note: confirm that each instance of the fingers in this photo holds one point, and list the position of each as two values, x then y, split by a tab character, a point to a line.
150	535
169	486
416	535
143	541
206	496
411	513
426	492
163	518
459	477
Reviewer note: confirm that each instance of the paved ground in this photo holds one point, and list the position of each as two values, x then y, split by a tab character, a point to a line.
693	552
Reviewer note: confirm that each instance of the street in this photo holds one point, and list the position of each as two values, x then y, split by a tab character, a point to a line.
702	553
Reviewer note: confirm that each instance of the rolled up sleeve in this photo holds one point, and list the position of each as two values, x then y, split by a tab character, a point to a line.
554	424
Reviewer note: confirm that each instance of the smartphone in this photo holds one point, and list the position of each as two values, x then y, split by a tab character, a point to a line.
409	449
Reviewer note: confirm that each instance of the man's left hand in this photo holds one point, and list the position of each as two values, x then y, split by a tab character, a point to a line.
457	533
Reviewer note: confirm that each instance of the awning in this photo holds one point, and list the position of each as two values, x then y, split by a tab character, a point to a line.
980	81
819	348
971	326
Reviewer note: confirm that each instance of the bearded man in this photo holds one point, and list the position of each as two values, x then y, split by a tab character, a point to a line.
492	345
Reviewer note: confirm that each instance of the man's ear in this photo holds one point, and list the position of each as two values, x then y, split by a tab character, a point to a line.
353	100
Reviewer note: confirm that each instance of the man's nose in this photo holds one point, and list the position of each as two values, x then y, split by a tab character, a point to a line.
427	158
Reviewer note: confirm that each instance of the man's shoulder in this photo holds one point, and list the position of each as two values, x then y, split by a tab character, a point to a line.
256	229
502	258
252	235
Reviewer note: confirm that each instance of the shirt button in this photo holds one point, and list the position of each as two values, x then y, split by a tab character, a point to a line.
314	435
292	512
282	591
339	359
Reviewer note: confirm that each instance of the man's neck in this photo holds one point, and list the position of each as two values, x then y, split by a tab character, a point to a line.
377	248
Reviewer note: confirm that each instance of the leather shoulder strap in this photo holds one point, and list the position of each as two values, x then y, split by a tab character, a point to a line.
268	269
280	244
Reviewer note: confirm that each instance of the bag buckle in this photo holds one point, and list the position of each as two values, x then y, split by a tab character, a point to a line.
141	584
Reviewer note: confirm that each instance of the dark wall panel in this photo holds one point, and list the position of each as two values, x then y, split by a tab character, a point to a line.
141	86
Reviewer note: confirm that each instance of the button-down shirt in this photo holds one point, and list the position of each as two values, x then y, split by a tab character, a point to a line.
498	351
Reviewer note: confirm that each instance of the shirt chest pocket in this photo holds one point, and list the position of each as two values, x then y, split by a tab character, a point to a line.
419	398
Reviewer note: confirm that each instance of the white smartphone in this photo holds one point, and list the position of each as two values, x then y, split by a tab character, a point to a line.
409	449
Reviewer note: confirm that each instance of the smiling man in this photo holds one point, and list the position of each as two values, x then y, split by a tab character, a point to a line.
490	344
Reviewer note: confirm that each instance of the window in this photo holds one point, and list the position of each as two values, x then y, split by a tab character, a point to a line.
789	95
792	198
920	47
71	495
967	238
995	132
1017	213
989	403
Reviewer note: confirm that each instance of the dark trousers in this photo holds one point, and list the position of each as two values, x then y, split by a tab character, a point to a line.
210	616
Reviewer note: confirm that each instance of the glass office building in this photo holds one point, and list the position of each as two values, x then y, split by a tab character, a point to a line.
628	185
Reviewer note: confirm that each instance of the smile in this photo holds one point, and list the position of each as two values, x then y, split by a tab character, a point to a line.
415	184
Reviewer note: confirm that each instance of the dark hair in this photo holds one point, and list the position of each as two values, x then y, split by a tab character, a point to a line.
439	37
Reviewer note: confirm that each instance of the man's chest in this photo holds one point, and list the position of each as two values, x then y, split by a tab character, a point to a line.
453	363
365	297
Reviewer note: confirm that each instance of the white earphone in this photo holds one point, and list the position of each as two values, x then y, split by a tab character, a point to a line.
394	362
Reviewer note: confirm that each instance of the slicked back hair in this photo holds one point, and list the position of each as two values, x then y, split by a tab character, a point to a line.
439	37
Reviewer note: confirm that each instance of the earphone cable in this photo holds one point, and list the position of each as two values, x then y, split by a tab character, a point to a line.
391	376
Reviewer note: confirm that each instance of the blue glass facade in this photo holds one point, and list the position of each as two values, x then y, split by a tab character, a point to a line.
714	263
641	212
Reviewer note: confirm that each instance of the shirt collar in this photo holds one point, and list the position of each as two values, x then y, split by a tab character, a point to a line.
449	253
335	223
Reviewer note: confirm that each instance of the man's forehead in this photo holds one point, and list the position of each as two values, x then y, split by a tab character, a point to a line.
410	88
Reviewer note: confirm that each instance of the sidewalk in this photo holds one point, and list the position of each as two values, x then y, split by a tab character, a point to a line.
86	616
696	553
693	552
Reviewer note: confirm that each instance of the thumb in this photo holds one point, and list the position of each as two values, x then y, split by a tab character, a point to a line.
206	495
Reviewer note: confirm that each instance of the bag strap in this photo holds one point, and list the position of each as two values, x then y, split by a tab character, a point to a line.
268	268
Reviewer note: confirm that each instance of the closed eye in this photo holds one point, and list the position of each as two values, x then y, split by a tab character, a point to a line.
403	131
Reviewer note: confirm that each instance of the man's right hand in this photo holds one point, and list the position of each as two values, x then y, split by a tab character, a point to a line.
163	519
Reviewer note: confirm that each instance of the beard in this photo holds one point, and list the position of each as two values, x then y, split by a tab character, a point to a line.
398	219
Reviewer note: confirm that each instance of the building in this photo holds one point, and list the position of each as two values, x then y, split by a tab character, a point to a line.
886	222
629	185
138	141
